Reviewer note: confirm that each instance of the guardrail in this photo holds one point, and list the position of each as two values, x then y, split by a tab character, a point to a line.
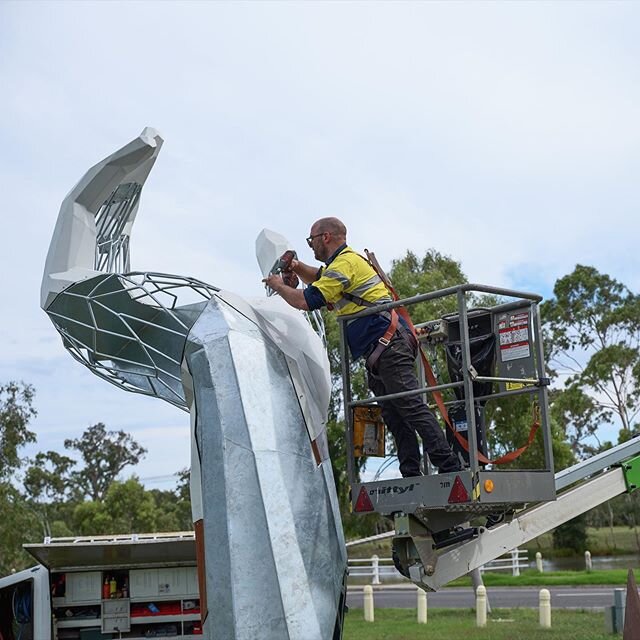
513	561
375	568
379	569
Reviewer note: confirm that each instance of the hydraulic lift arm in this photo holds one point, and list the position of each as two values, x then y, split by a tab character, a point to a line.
588	492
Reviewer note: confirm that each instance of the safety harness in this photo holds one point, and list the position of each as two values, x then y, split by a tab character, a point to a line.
383	343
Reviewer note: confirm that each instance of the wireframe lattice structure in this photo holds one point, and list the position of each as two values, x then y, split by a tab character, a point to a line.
130	329
112	243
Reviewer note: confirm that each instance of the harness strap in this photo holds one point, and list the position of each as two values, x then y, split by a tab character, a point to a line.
361	302
383	342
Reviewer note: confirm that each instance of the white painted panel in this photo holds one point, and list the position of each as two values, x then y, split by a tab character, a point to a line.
84	586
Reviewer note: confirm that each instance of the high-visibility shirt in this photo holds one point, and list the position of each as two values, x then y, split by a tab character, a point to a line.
346	271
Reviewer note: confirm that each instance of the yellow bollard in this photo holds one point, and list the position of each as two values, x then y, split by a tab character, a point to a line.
545	609
481	606
422	606
368	604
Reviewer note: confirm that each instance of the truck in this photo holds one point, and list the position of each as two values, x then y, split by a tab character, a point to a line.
94	588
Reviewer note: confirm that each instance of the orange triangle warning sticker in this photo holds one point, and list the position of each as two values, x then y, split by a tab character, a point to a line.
458	492
363	503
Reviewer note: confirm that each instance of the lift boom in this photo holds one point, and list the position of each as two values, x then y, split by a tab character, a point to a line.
581	488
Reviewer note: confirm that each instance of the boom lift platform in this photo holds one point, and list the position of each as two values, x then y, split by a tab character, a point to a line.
434	541
580	488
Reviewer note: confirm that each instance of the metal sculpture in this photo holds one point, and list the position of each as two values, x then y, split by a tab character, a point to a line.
254	377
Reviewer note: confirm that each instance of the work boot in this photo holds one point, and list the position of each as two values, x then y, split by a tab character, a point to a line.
450	465
444	459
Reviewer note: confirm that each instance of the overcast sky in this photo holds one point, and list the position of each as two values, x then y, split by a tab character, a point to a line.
505	135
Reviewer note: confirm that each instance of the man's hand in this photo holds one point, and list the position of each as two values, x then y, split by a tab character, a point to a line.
294	297
274	282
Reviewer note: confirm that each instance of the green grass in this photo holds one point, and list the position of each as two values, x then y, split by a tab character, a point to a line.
551	578
603	541
448	624
531	578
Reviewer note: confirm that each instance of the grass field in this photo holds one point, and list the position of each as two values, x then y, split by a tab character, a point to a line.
531	578
447	624
551	578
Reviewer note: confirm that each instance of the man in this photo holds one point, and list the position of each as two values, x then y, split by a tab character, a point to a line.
348	284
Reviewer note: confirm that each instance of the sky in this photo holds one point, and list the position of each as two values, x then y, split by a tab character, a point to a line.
504	135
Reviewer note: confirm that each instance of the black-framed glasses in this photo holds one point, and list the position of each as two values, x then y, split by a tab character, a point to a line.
317	235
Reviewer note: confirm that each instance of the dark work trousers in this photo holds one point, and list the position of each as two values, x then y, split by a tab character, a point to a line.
394	372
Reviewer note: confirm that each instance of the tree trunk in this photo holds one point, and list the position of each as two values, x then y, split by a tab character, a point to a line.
613	541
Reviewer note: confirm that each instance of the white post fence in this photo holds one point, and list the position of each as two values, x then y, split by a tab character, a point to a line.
512	561
375	569
515	566
383	569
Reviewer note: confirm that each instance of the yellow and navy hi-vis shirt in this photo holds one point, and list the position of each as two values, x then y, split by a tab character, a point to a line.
348	272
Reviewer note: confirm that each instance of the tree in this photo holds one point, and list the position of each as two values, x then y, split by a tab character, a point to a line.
16	411
18	523
127	508
412	276
104	454
183	496
592	335
131	507
571	535
511	420
46	484
174	507
592	331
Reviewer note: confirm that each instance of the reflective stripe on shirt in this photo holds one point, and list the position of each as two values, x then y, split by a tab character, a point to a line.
351	273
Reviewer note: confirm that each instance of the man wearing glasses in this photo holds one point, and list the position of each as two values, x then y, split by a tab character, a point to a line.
348	284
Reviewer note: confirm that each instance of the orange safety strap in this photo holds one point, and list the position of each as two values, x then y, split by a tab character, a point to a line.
431	379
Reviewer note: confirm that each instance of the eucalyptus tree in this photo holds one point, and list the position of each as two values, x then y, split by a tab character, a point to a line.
592	335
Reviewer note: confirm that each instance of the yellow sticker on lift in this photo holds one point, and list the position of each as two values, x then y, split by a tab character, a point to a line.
512	386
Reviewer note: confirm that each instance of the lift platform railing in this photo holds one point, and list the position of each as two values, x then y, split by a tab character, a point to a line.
534	385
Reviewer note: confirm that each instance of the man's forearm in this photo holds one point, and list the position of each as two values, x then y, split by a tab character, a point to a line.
294	297
305	272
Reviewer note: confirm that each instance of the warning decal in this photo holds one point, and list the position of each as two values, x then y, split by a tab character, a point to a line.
513	330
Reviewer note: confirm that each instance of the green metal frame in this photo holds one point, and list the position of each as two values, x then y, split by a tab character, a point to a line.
631	470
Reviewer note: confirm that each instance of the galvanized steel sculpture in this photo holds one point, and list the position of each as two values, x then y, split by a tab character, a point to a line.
254	377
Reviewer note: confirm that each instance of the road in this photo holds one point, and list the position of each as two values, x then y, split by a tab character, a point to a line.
404	596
